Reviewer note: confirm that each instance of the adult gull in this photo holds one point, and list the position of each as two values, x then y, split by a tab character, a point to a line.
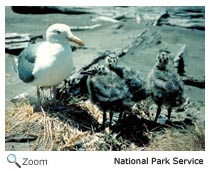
48	63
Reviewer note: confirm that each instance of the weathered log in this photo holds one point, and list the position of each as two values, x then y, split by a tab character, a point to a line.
179	61
187	17
179	64
187	23
16	49
104	18
118	26
160	18
138	40
193	82
96	60
120	17
188	12
181	19
82	28
16	38
15	42
193	9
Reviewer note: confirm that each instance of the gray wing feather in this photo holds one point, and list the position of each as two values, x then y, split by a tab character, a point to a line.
26	62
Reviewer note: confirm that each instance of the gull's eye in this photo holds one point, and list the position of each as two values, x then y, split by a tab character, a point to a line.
57	31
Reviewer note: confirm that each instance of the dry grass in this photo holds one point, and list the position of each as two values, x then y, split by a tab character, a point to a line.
73	128
52	132
190	139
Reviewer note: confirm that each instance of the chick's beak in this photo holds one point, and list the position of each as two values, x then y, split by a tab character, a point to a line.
76	40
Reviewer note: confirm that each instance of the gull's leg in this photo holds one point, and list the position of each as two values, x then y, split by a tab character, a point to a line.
102	127
38	95
110	119
53	93
104	120
158	113
169	113
36	107
121	116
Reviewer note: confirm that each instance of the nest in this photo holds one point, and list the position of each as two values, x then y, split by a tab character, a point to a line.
71	124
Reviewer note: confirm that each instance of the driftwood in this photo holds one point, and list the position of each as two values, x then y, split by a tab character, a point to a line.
188	12
15	37
117	26
113	19
179	64
120	17
15	42
51	9
160	18
179	61
187	23
82	28
193	82
138	40
96	60
104	18
188	17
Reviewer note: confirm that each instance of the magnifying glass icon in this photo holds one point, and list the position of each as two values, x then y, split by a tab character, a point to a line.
11	158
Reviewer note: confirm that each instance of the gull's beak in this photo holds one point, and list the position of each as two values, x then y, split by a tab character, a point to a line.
76	40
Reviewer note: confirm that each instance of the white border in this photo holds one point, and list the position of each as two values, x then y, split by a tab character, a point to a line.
107	3
100	160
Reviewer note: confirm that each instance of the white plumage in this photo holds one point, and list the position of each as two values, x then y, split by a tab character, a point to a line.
53	64
48	63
